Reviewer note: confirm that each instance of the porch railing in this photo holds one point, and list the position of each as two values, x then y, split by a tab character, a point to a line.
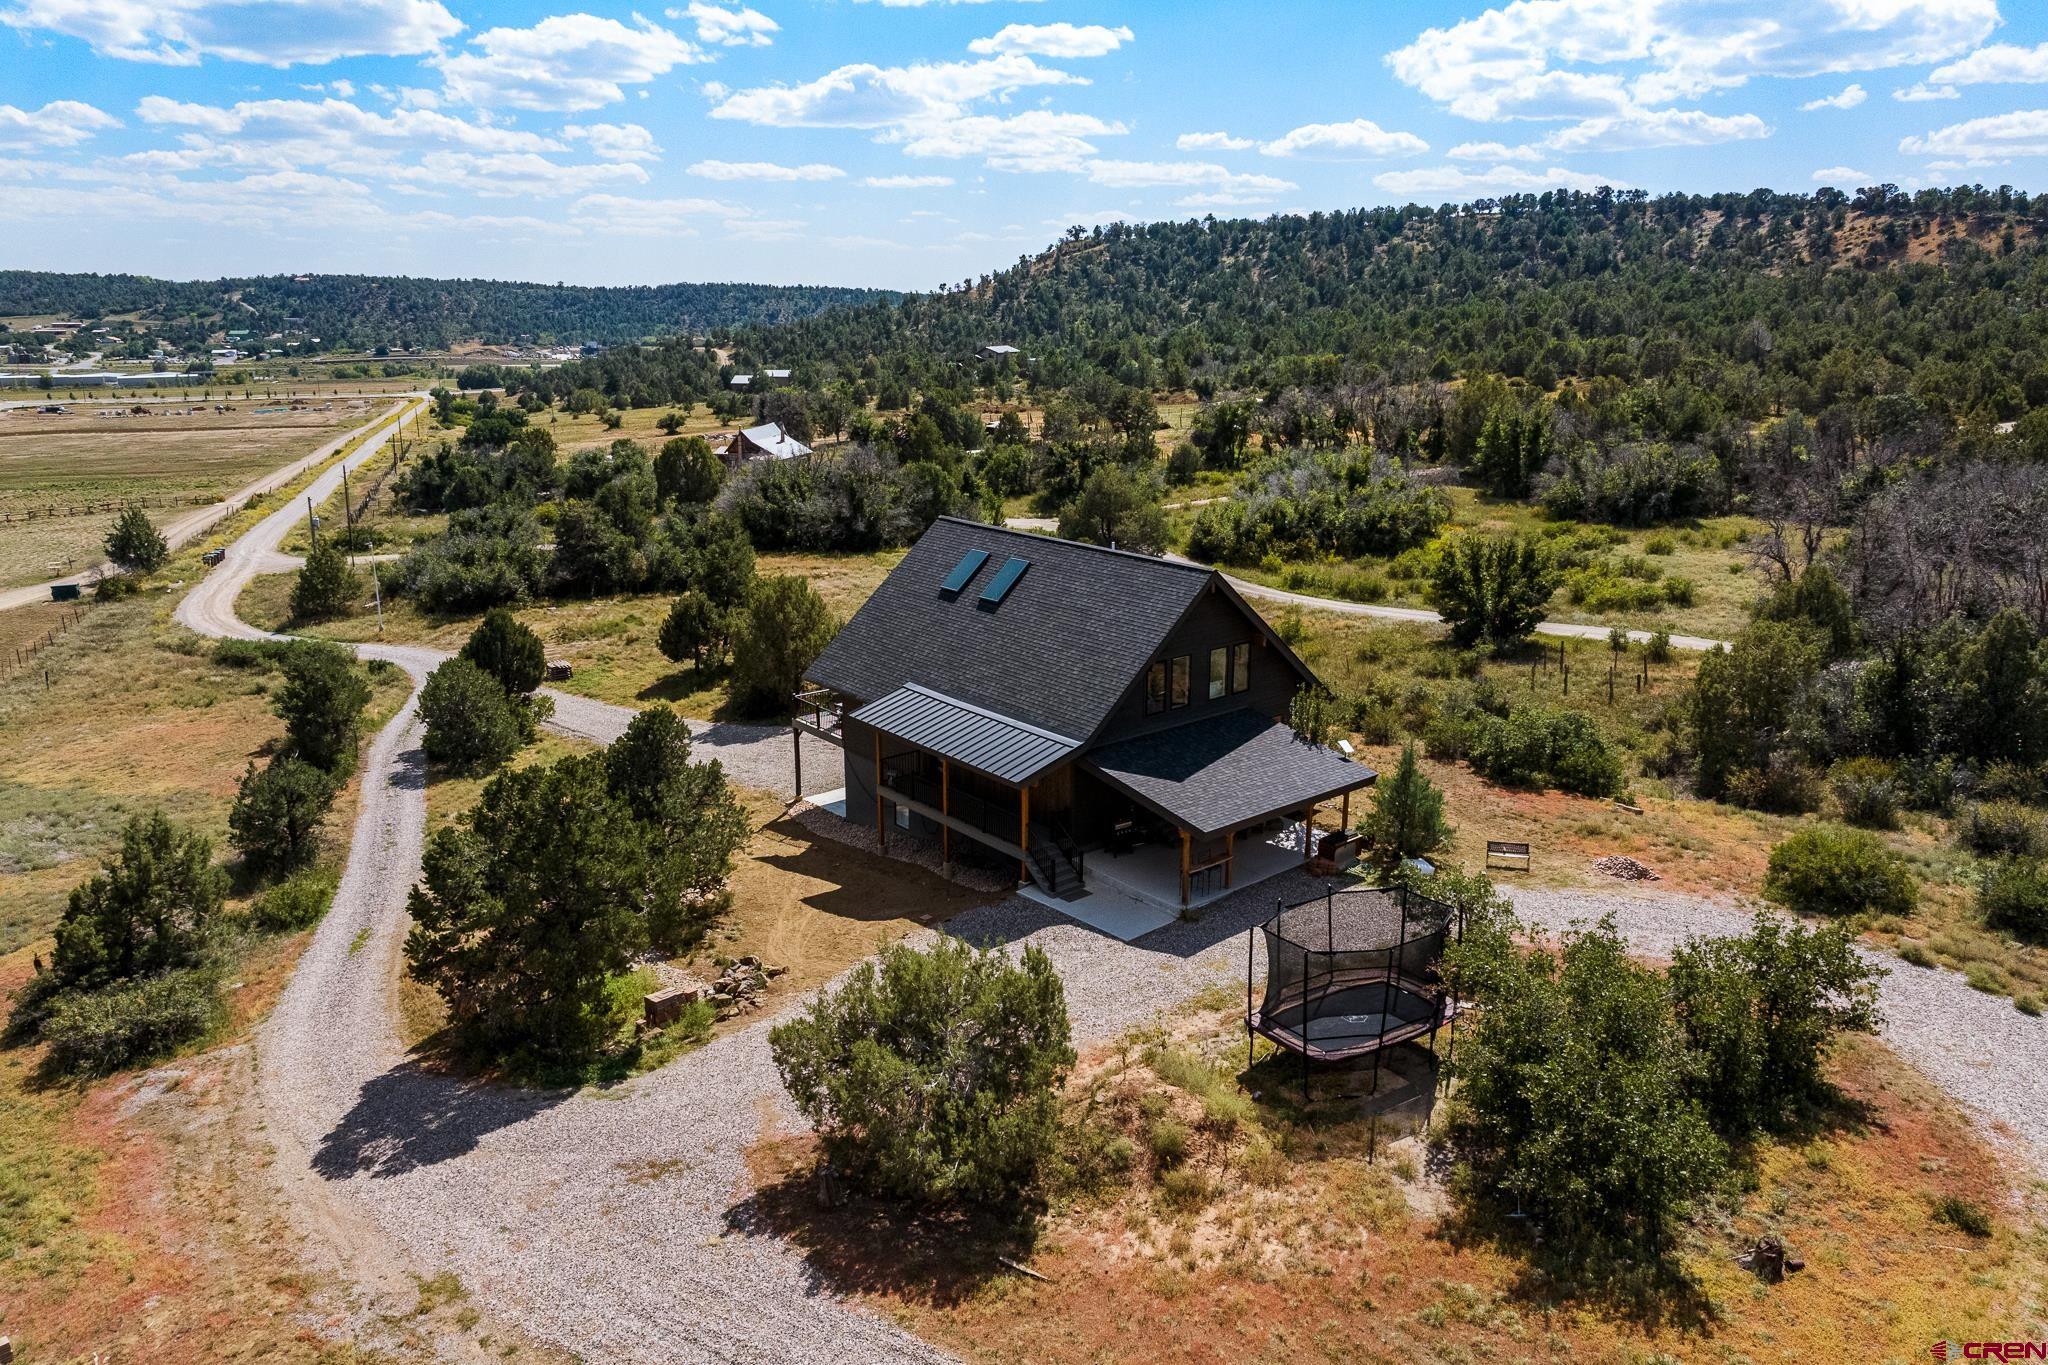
997	819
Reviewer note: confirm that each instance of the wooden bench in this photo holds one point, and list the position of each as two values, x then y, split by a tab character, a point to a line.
1515	856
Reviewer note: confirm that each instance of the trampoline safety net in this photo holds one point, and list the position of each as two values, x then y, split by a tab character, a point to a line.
1353	970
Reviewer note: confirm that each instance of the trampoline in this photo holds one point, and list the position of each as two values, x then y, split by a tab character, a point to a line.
1351	973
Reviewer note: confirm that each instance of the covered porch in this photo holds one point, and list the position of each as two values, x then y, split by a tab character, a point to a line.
1217	804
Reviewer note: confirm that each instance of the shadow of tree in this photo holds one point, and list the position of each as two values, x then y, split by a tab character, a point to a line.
411	1116
940	1258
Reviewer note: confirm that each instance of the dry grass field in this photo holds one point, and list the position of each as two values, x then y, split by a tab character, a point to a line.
170	464
573	433
610	642
1288	1235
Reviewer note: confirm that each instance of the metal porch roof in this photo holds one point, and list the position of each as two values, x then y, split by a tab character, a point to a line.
983	740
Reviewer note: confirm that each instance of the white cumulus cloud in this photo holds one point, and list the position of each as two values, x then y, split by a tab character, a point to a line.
1839	176
1053	40
907	182
1998	64
1850	96
565	62
1359	140
742	27
60	123
265	32
2023	132
763	170
1212	142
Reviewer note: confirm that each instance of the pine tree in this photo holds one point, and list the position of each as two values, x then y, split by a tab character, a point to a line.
1407	815
135	544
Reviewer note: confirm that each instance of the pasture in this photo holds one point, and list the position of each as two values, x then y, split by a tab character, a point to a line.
173	460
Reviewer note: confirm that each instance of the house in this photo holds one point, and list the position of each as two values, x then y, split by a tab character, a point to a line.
742	381
766	442
997	352
776	376
1040	701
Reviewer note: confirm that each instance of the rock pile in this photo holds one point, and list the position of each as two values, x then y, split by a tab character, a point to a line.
1622	866
740	985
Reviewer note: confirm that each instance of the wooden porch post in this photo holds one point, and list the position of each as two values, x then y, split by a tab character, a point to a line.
1186	856
946	808
1229	857
1345	827
1024	833
881	835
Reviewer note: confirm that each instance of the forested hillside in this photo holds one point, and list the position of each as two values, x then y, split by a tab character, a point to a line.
364	311
1764	300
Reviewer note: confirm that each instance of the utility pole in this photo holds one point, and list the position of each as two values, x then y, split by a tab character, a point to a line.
377	591
312	522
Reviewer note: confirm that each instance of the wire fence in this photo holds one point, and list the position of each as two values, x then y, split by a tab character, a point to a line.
21	658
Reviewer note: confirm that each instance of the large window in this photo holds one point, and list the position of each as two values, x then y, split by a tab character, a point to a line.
1180	680
1155	689
1219	673
1240	667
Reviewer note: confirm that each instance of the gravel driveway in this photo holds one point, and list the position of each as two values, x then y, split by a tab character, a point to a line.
616	1223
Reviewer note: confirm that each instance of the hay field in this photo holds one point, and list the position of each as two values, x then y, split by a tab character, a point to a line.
169	463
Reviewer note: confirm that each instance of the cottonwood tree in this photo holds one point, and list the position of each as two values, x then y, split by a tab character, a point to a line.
1117	507
1492	589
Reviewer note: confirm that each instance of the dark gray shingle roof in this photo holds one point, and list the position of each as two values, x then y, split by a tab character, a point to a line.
979	738
1058	653
1211	775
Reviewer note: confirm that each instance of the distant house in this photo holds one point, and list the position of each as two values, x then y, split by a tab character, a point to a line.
996	352
742	381
766	442
1045	700
776	376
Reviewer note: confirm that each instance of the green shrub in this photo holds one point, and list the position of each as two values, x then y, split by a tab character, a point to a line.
1830	870
298	902
1169	1141
1533	745
1660	544
1962	1215
275	822
2014	897
471	724
1759	1012
1680	591
1915	955
2003	781
327	586
2001	829
92	1033
114	587
1658	650
1867	791
1184	1189
934	1075
780	633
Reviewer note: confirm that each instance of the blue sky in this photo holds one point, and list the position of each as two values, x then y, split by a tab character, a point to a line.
912	142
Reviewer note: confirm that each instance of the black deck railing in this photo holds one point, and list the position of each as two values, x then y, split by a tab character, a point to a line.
994	818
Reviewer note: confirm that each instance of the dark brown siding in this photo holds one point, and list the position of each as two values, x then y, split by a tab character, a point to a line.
1212	622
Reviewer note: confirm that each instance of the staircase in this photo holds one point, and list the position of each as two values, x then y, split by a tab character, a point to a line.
1056	864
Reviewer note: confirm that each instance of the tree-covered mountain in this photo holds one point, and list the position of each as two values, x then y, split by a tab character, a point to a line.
1766	300
349	312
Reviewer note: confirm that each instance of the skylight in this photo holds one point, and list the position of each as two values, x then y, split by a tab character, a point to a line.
1006	579
969	565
